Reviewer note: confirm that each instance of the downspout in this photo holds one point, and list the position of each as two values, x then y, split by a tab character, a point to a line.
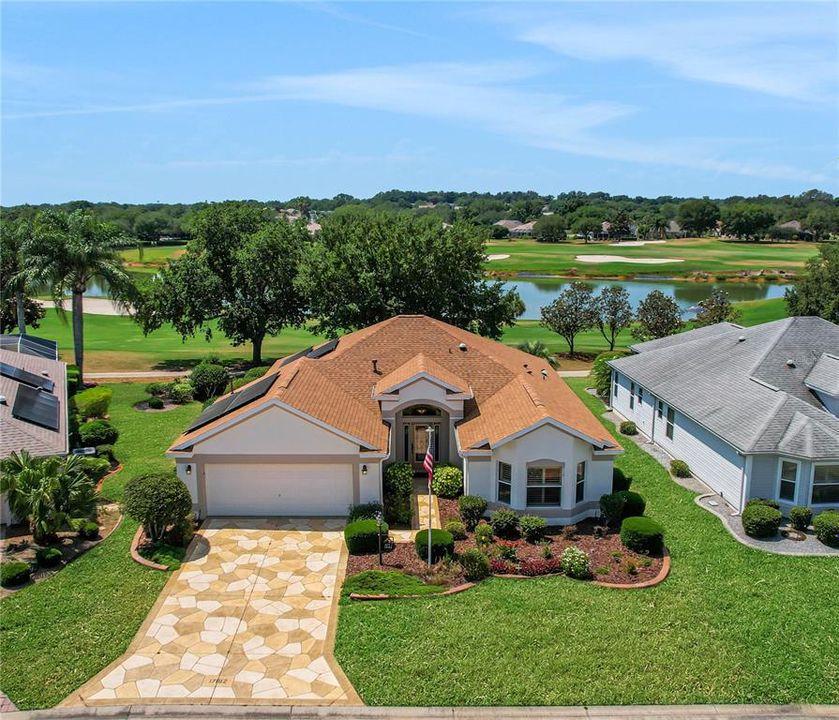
745	480
655	415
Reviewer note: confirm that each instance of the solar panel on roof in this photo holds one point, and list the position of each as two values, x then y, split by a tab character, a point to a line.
232	402
30	345
216	410
26	377
36	407
292	358
323	349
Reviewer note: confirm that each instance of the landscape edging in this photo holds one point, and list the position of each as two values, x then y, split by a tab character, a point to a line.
136	557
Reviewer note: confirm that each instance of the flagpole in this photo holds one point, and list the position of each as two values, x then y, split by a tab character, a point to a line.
430	431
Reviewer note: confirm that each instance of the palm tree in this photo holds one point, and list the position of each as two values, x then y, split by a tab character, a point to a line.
540	350
12	241
68	252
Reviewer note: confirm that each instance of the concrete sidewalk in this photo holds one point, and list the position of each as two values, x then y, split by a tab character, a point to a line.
619	712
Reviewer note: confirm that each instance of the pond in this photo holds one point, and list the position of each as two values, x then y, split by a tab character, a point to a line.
538	292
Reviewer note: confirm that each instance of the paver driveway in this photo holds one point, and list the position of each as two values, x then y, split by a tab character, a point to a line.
248	619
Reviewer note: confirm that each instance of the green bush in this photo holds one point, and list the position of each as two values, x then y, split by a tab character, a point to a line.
800	517
532	527
456	529
447	481
575	563
158	389
601	373
826	526
761	521
442	544
208	380
764	501
155	403
398	485
74	380
620	481
680	468
364	511
93	402
97	432
483	534
13	573
475	565
158	501
633	504
48	557
627	427
643	535
107	452
611	507
362	536
181	393
94	468
505	523
181	532
87	529
472	509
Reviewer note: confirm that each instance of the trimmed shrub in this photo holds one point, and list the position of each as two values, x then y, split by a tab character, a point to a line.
180	393
483	534
680	468
826	526
505	523
542	566
472	509
761	521
87	529
97	432
456	529
601	373
633	504
398	485
362	536
447	481
643	535
74	380
764	501
532	527
475	565
155	403
507	551
627	427
93	402
48	557
158	501
611	507
800	517
208	380
106	451
94	468
181	532
620	481
364	511
442	544
13	573
158	389
575	563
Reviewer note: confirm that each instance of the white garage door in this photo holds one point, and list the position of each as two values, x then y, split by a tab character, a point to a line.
255	489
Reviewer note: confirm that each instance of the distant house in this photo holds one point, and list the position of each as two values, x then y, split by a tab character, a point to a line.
509	224
674	230
313	227
753	411
33	405
794	225
523	230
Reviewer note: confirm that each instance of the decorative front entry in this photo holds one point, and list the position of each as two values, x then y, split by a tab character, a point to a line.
413	434
416	442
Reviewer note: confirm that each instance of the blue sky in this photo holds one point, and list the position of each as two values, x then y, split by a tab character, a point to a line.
184	102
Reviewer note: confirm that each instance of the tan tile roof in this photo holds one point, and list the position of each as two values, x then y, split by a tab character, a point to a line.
16	434
418	365
338	388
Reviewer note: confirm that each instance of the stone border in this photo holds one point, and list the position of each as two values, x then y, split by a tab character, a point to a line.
137	558
451	591
108	474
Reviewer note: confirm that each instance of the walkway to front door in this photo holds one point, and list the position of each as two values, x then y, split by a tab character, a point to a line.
249	619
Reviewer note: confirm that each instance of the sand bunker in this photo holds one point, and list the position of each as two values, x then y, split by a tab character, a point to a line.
622	259
497	257
638	243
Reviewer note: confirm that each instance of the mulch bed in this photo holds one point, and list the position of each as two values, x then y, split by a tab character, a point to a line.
143	406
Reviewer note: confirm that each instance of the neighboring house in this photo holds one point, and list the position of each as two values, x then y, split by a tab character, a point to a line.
523	229
33	405
674	230
794	225
312	436
509	224
753	411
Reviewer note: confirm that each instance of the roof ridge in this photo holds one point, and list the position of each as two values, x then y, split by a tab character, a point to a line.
532	393
783	326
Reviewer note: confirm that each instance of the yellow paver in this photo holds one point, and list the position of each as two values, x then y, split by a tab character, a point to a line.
421	519
249	619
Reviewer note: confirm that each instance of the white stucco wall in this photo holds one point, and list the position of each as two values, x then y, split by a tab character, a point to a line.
370	485
478	477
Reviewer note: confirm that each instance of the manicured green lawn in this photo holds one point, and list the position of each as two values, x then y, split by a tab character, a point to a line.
58	633
376	582
730	625
697	254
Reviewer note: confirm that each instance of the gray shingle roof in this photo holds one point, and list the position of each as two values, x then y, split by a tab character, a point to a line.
824	376
671	340
745	391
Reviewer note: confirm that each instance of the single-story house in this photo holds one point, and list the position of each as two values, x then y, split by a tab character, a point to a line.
753	411
523	229
509	224
313	435
33	405
674	230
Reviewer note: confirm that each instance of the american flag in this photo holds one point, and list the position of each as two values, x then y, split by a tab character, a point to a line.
428	463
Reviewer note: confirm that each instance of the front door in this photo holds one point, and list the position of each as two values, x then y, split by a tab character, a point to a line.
416	443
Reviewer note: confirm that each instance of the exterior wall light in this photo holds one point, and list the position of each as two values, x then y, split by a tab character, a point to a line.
363	469
189	469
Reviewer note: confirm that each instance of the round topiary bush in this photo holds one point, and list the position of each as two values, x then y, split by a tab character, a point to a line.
764	501
800	517
48	557
362	536
483	534
761	521
628	427
575	563
611	507
364	511
642	535
13	573
442	544
457	529
97	432
472	509
208	380
680	468
475	565
155	403
633	504
447	481
826	527
93	402
157	501
505	523
106	451
620	481
532	527
180	393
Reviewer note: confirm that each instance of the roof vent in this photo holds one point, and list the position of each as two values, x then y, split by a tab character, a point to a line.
462	347
2	399
790	363
45	373
544	374
376	367
742	338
